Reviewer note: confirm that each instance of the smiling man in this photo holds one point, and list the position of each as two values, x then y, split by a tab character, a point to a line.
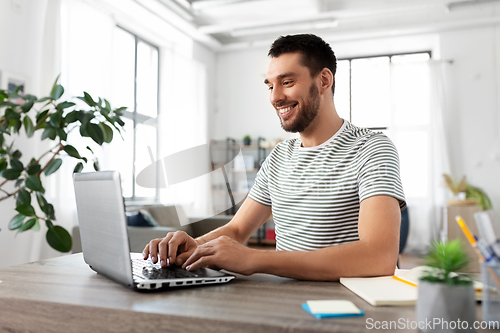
335	193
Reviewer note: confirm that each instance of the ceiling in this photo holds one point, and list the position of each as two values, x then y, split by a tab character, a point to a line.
226	24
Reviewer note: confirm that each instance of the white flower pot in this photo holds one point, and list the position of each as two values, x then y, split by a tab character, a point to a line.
441	308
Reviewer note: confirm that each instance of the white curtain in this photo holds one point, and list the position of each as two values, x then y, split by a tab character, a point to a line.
418	117
183	125
50	68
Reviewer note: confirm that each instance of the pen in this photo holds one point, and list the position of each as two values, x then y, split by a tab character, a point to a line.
485	252
472	241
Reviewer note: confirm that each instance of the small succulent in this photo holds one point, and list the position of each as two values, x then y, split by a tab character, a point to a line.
443	260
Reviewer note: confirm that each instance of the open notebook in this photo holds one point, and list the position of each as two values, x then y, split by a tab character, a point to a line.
391	291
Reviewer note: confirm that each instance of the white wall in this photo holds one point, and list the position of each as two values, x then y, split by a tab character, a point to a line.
473	90
242	99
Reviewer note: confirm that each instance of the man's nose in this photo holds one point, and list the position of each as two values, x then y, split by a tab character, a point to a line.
277	95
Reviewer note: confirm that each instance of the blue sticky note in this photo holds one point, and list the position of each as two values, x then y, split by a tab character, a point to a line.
335	314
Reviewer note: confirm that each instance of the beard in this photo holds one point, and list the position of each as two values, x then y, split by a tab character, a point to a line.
306	113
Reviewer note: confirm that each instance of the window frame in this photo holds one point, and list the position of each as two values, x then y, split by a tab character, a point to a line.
389	55
142	119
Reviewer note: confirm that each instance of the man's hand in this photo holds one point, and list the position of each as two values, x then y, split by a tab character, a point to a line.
176	247
223	253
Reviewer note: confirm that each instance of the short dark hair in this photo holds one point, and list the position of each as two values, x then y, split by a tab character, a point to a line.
316	53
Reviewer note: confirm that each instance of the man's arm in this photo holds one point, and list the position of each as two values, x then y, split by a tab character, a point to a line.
247	220
178	246
374	254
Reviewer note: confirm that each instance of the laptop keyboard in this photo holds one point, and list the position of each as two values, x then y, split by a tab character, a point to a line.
147	270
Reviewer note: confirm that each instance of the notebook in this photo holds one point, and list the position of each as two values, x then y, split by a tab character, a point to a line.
380	291
105	242
398	290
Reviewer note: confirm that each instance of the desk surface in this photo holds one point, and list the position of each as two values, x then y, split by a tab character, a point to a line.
64	295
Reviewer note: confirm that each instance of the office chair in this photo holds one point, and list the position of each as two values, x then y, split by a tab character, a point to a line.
403	231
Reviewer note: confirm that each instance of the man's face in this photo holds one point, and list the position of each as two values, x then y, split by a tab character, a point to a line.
293	92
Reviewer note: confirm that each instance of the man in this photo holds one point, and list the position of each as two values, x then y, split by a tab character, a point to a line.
335	193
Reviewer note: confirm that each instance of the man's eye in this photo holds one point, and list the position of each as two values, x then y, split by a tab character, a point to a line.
286	83
270	88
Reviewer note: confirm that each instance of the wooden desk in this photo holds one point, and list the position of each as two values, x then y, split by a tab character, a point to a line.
65	295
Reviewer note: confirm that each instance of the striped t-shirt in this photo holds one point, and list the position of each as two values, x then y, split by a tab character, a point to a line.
315	192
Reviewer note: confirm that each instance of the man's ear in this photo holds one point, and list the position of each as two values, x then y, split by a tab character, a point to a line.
326	80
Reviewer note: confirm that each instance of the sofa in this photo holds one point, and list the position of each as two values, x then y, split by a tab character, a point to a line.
159	221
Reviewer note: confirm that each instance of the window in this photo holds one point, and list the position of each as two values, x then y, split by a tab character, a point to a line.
135	85
391	94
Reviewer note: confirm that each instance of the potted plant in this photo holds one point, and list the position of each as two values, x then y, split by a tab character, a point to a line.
464	193
247	140
22	177
445	298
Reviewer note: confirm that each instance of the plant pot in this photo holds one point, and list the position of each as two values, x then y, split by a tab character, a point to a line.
246	142
444	308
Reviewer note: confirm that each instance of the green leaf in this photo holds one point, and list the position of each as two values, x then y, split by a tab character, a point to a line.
90	149
78	168
17	154
43	99
42	203
85	116
71	117
23	197
28	225
3	164
95	133
36	227
41	117
57	92
16	165
108	132
96	165
62	134
15	124
53	167
27	106
55	82
48	209
11	174
49	224
64	105
11	114
26	209
88	99
55	119
59	239
107	105
28	126
50	133
83	131
19	182
33	169
34	183
120	122
16	222
71	151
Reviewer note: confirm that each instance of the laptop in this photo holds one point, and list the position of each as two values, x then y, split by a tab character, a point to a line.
105	241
